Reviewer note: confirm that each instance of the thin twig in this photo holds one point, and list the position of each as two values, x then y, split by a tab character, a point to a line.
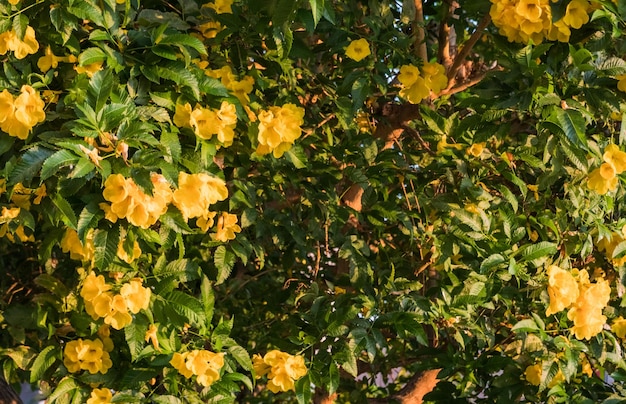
444	36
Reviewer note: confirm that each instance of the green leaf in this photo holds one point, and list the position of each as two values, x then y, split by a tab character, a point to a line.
527	325
28	166
42	362
183	40
90	56
65	210
183	270
20	22
105	246
538	250
297	157
88	219
52	284
572	123
283	12
179	74
66	385
224	261
53	163
135	333
303	390
186	306
100	87
241	356
317	8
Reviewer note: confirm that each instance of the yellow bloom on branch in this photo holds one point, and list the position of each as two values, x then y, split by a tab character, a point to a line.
197	192
100	396
562	289
205	365
533	374
279	127
619	327
358	49
151	336
226	227
282	369
86	355
136	296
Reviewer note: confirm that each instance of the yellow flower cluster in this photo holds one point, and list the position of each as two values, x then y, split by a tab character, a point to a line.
584	299
221	6
604	178
358	50
87	355
100	302
100	396
205	365
239	88
132	203
281	368
197	192
226	227
525	20
279	127
207	122
417	85
21	47
18	115
72	244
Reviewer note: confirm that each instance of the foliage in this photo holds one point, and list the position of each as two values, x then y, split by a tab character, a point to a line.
276	201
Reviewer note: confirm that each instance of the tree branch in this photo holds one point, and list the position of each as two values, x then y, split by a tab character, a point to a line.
465	50
444	36
420	34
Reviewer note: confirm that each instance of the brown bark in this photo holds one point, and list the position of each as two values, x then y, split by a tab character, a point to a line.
420	32
420	385
7	394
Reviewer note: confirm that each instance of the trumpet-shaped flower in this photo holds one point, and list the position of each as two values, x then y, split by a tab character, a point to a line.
279	127
226	227
136	296
196	192
562	289
619	327
100	396
358	49
86	355
206	365
281	368
576	13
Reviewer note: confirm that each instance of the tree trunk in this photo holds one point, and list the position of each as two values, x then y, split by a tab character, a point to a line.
7	394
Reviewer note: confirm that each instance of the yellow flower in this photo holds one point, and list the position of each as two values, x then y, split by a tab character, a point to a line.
205	222
204	122
358	49
89	70
616	158
93	286
151	336
443	145
416	92
562	289
621	83
204	364
281	368
25	46
408	75
602	179
182	116
86	355
104	333
48	61
619	327
227	116
124	256
226	227
29	107
221	6
435	76
72	244
210	29
279	127
100	396
118	316
533	374
196	192
136	296
476	149
587	310
529	9
576	13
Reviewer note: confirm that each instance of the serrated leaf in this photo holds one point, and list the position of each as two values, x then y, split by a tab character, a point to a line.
296	156
28	166
283	12
42	362
88	219
619	251
184	40
183	270
20	23
53	163
66	385
179	74
241	356
224	261
303	390
90	56
100	87
538	250
52	284
135	336
208	298
186	306
573	124
65	210
317	8
105	246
